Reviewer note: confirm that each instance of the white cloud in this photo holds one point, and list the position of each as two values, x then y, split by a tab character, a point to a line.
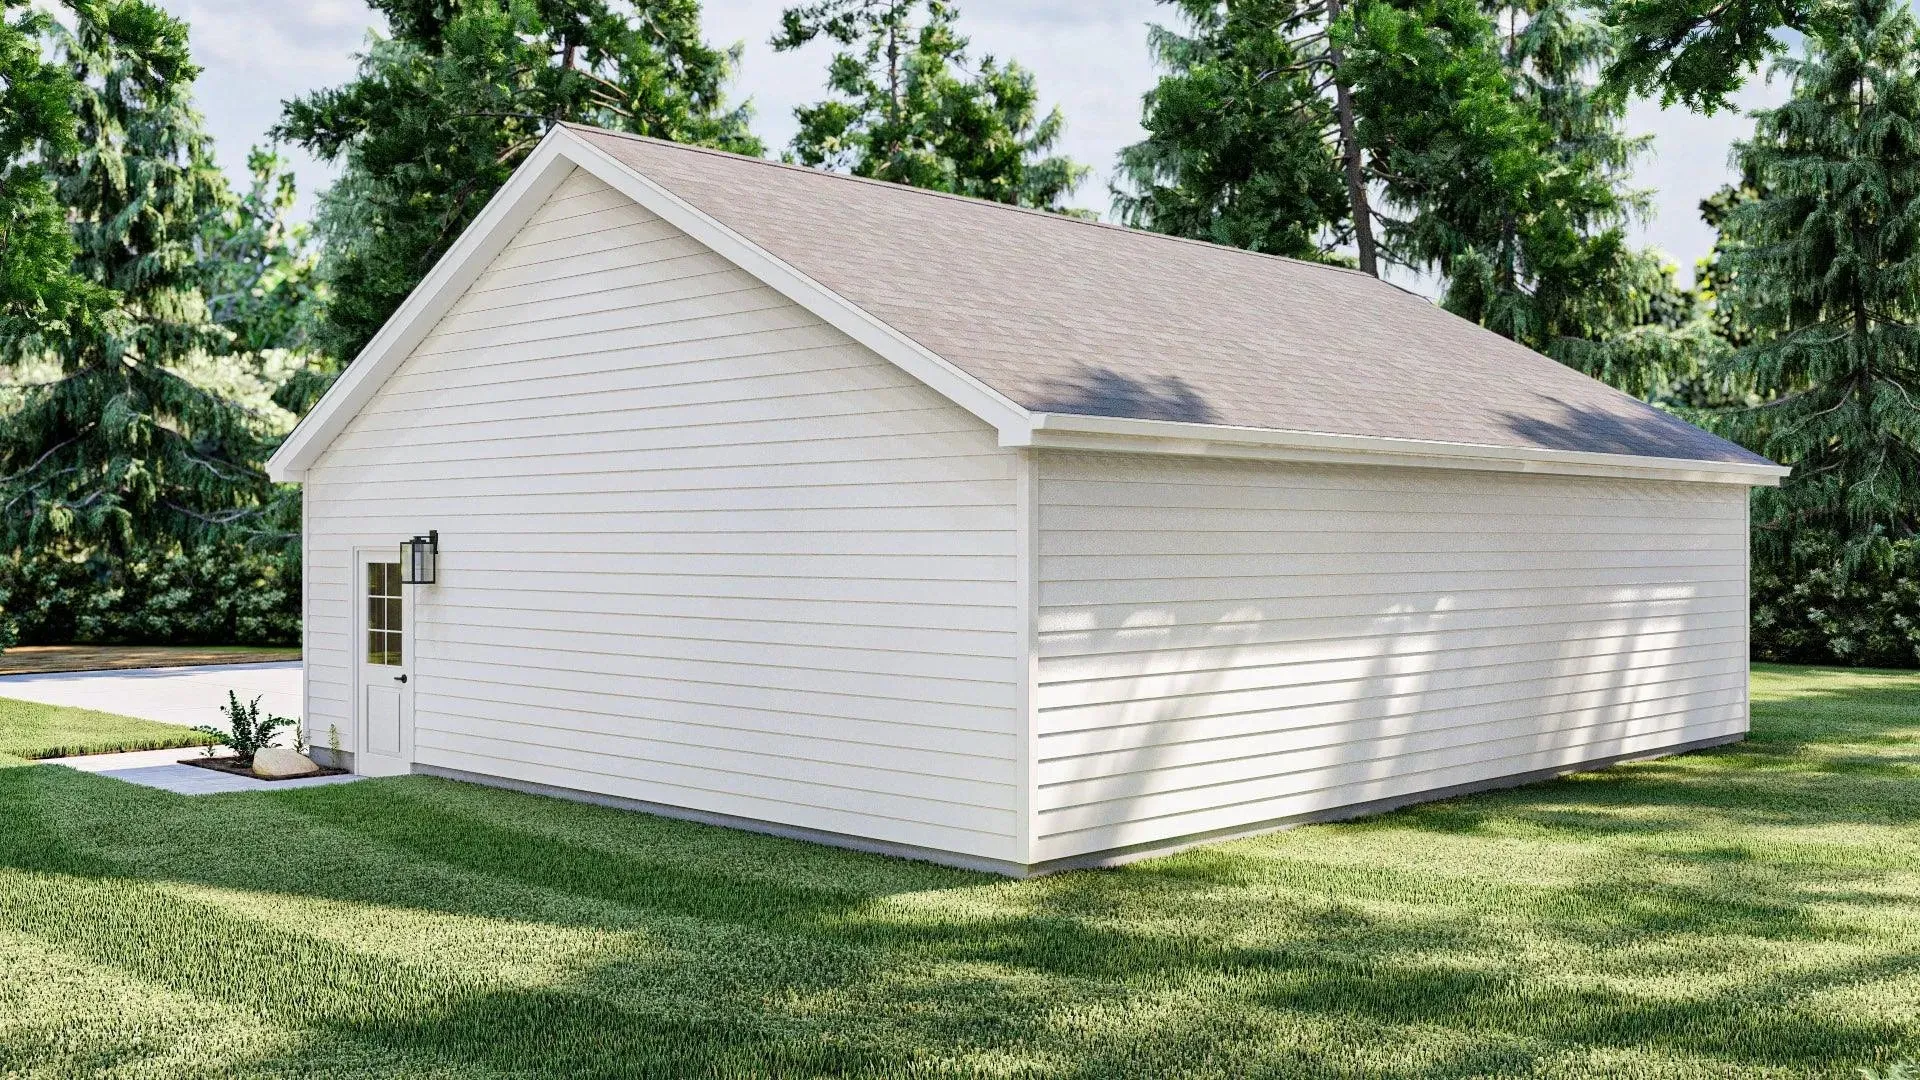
254	55
1089	56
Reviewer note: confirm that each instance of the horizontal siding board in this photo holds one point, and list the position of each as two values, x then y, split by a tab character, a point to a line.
697	547
1470	683
1392	714
1483	625
1226	643
1358	583
1361	604
616	652
481	308
1434	670
796	761
942	751
1169	770
504	602
750	356
1388	653
1071	835
758	780
505	625
585	691
1070	525
1280	548
594	421
585	266
1237	487
752	805
1175	566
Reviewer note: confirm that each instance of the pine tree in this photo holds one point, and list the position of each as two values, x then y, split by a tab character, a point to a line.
37	285
1464	141
1489	166
121	443
1826	276
1237	149
1252	138
909	106
443	110
1700	51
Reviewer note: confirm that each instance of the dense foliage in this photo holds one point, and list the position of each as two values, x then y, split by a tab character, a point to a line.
1819	609
910	106
203	594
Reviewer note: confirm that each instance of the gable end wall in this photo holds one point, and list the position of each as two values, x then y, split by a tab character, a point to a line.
698	548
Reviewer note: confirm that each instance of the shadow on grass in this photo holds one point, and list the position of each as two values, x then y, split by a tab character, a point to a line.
1698	916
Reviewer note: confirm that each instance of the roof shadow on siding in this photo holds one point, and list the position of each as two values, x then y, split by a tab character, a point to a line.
1102	391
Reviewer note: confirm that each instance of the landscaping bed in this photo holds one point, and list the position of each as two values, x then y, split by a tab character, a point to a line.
1751	912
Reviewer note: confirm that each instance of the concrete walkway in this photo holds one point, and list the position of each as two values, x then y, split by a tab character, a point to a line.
188	696
162	769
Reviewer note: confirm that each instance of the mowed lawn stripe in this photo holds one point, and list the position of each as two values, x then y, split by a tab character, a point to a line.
29	729
1748	912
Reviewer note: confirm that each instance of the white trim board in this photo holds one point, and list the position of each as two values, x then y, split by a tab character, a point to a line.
561	151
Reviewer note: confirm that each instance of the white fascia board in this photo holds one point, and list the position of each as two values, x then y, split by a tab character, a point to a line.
495	227
991	406
1062	431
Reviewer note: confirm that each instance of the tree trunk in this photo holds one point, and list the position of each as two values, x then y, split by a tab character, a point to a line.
1350	154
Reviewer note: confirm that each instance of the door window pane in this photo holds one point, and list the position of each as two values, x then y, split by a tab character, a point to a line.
384	620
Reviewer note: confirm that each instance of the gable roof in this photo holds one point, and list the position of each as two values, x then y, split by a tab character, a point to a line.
1065	332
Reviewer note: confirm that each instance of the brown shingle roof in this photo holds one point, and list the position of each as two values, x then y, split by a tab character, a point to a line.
1068	316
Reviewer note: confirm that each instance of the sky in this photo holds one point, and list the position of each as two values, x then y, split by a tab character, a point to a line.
1089	57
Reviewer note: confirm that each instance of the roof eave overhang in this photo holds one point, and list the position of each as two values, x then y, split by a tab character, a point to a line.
1065	431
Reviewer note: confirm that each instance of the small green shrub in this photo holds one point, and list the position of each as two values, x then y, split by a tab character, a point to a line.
247	731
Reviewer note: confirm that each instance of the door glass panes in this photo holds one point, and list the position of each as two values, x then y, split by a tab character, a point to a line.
383	613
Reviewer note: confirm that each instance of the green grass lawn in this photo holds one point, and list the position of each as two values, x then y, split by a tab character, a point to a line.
1748	912
32	730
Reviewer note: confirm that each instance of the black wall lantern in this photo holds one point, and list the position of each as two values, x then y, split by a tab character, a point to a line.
420	558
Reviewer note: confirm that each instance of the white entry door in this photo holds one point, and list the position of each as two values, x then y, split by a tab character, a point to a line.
385	694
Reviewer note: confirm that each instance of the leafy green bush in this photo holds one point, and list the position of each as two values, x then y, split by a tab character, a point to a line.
225	594
1821	612
247	732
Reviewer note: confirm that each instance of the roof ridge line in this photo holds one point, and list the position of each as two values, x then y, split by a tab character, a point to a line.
1127	230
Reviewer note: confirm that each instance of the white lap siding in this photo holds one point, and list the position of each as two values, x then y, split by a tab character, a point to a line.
1225	643
698	547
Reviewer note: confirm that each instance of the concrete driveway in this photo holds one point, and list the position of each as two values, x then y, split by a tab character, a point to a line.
184	695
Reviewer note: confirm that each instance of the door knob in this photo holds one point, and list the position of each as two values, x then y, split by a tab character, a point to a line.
399	678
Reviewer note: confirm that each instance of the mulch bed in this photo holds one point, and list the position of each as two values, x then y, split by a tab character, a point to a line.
233	767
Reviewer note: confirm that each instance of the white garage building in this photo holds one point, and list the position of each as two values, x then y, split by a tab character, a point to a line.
927	525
